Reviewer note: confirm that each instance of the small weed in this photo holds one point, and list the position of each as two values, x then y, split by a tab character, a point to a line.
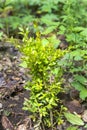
45	86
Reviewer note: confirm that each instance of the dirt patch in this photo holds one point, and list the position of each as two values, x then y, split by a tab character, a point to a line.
12	108
12	80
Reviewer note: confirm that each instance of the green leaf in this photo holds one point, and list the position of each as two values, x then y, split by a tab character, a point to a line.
83	94
85	126
76	54
72	128
74	119
78	29
23	64
77	85
1	35
84	32
77	58
81	79
83	91
62	29
49	29
49	20
44	42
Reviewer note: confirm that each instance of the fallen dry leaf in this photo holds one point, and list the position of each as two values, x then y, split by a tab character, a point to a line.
7	125
84	116
26	125
74	106
22	127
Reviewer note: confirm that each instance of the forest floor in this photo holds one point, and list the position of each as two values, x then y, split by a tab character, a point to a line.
12	94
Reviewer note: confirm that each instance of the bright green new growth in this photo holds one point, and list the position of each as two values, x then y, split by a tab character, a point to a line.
42	62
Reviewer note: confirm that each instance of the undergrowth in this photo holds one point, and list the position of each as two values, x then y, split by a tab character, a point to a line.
41	60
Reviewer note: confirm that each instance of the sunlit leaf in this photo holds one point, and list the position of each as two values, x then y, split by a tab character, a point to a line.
23	64
74	119
83	91
81	79
72	128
